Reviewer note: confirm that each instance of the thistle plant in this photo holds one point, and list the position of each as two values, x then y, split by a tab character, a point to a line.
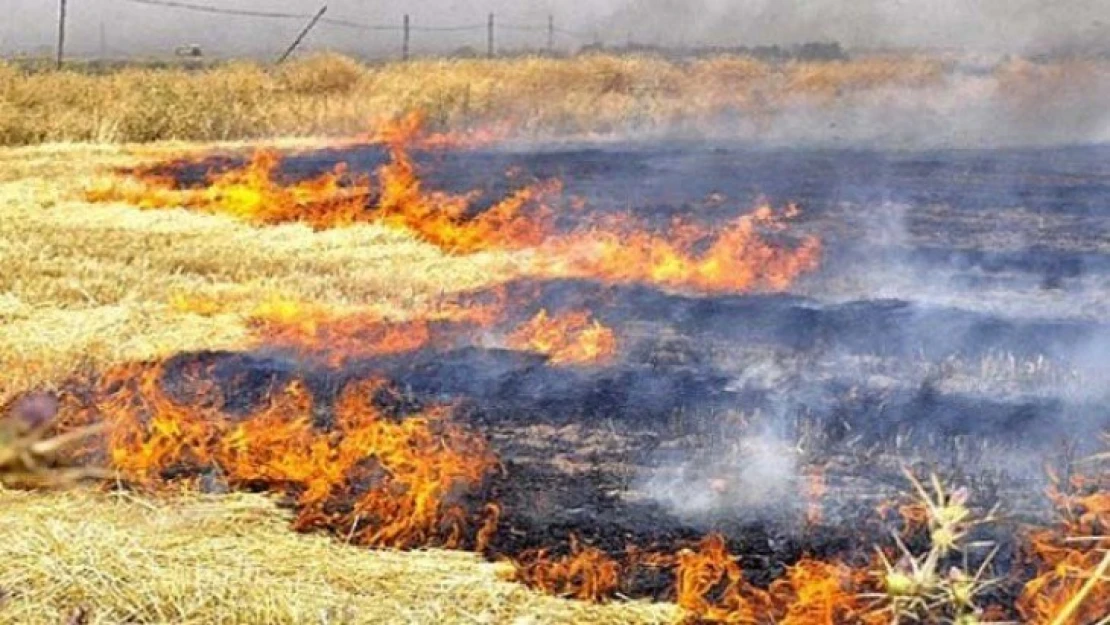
939	584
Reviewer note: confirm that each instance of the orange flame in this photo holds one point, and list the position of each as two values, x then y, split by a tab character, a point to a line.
1069	557
250	193
441	219
820	593
410	129
382	482
737	258
711	586
571	338
336	338
587	573
331	200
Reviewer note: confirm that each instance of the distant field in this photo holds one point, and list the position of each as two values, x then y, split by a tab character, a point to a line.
336	95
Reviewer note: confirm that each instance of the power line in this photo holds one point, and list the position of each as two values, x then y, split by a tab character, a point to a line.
407	27
331	21
522	28
573	33
201	8
361	26
442	29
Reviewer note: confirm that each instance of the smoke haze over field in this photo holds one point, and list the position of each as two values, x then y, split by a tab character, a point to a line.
990	25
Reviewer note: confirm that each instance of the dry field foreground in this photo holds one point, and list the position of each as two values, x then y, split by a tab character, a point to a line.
232	559
90	286
87	286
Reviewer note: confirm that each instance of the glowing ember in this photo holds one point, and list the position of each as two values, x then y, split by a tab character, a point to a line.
570	338
815	491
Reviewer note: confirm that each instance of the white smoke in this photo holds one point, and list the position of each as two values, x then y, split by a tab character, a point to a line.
752	476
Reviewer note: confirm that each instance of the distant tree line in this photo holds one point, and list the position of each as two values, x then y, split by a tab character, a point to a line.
812	51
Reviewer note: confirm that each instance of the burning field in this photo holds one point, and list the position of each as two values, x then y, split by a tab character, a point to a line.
766	385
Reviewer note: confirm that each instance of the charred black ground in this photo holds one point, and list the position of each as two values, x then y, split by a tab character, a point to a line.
958	323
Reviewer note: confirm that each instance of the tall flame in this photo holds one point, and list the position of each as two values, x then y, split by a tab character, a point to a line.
711	585
380	481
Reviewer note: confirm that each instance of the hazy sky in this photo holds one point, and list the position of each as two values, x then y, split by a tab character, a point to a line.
1010	25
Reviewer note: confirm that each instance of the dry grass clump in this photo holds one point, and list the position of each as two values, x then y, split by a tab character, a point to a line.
232	559
337	95
829	79
323	74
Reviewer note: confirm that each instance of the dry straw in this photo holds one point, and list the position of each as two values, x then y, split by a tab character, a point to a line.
232	559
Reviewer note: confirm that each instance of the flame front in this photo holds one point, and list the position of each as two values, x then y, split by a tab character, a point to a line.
711	585
252	194
518	221
735	257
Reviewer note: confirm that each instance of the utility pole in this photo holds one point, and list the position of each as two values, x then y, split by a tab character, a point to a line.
550	34
103	42
489	39
61	32
405	44
304	33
